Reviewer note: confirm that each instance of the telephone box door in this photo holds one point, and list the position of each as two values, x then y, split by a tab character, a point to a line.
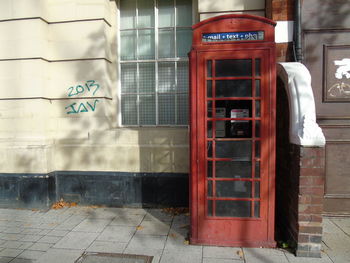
233	131
233	147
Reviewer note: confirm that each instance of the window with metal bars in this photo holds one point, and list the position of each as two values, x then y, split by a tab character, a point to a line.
155	37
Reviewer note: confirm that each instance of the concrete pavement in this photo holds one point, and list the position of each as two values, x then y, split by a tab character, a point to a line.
61	236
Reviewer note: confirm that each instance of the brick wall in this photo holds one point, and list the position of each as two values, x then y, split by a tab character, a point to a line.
281	10
299	187
311	190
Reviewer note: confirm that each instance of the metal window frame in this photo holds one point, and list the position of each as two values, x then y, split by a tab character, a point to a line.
156	62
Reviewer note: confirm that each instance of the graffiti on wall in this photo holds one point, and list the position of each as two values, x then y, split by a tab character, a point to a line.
337	73
90	87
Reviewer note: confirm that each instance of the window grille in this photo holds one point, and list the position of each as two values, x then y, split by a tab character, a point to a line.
155	37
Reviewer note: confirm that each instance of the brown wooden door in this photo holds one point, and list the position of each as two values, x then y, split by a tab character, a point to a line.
327	55
233	120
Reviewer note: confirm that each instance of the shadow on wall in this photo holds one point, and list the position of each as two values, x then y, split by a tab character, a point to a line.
84	174
321	17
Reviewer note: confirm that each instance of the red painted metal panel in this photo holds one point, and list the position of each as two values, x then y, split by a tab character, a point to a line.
217	215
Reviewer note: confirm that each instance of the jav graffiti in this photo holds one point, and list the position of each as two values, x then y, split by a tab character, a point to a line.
73	108
90	86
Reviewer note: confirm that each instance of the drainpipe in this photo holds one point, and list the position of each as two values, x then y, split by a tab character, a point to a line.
297	31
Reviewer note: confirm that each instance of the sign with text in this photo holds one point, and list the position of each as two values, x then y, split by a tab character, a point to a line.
233	36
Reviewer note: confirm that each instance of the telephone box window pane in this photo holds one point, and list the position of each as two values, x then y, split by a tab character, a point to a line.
257	190
145	44
233	88
183	13
210	109
238	150
210	130
210	188
147	74
240	129
166	13
209	89
257	149
209	68
233	208
234	108
233	129
129	78
257	108
257	128
234	189
166	108
234	169
184	41
210	169
257	67
220	129
233	68
210	208
129	109
128	45
257	169
256	209
147	110
210	149
127	14
166	43
257	88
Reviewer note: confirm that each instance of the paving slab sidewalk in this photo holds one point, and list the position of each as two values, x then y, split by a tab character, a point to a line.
61	236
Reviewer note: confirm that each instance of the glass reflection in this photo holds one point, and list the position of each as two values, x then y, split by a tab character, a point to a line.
210	169
209	89
238	150
209	68
233	68
233	88
256	209
257	190
257	169
210	188
257	149
257	108
257	67
257	88
233	169
234	189
233	208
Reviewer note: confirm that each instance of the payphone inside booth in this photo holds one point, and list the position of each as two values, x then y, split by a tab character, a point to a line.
232	73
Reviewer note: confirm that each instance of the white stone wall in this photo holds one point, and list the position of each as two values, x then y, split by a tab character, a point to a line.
49	48
210	8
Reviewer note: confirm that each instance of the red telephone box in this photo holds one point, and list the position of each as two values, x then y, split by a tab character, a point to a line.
232	185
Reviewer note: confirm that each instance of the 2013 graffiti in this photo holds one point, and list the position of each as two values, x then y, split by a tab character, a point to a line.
89	86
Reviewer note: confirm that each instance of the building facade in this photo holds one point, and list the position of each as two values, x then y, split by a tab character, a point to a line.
94	101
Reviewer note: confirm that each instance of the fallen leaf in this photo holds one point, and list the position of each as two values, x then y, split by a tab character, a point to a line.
176	210
139	227
61	204
240	253
186	242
